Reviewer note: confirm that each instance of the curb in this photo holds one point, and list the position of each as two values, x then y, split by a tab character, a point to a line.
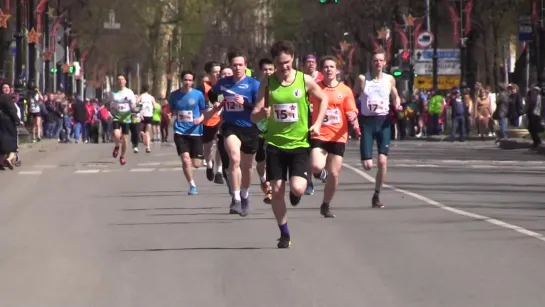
519	144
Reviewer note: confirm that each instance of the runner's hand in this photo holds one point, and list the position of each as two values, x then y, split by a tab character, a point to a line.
314	130
239	99
399	107
266	112
352	116
198	120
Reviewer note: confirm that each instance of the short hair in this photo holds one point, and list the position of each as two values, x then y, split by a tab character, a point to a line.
235	53
120	75
265	61
282	46
209	65
379	50
145	88
187	72
328	58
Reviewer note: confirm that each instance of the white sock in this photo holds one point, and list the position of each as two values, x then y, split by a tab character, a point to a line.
236	195
209	164
218	169
244	193
263	179
192	183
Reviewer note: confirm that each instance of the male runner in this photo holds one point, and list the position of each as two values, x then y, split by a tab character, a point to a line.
211	126
310	68
241	135
327	149
266	67
283	102
123	102
375	90
148	105
187	106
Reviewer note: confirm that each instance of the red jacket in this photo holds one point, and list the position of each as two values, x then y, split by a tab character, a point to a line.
90	118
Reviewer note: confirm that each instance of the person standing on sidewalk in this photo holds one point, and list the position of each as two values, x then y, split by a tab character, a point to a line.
502	108
533	112
458	112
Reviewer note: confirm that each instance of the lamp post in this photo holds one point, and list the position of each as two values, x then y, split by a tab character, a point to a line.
32	41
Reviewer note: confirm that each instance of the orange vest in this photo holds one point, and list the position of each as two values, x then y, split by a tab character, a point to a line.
215	119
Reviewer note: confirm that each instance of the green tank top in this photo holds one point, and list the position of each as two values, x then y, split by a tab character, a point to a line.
156	112
287	127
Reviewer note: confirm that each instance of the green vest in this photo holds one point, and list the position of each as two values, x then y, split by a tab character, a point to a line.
435	106
156	112
287	127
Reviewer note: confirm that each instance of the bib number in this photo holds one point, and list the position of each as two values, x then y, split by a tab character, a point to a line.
123	107
232	106
185	116
332	117
374	106
286	113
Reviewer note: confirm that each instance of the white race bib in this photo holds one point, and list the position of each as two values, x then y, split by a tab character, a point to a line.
185	116
332	117
123	107
286	113
375	106
232	106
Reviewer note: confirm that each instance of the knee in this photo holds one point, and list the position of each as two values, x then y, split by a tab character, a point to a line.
278	189
382	162
186	161
367	164
197	163
298	187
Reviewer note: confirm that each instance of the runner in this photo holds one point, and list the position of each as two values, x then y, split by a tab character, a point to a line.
288	130
188	106
225	72
241	135
310	68
211	126
327	149
123	102
156	122
266	67
375	90
148	110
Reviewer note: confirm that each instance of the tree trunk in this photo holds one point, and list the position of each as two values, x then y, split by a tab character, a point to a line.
156	58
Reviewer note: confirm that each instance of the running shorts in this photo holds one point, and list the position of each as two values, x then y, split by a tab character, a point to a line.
191	144
248	136
124	127
283	162
332	148
260	154
374	128
147	120
209	132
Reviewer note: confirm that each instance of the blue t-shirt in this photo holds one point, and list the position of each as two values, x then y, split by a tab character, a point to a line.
233	113
185	107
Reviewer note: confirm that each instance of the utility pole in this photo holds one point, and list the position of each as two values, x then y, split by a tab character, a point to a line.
19	86
47	63
67	80
463	45
31	46
435	44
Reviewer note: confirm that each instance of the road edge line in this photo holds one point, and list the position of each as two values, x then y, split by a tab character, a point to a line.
437	204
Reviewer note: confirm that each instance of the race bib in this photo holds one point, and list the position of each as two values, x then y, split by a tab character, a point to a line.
332	117
374	106
286	113
185	116
123	107
232	106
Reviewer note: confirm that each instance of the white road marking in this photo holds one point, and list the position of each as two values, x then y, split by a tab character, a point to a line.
45	166
30	172
87	171
142	170
432	202
111	170
171	163
149	164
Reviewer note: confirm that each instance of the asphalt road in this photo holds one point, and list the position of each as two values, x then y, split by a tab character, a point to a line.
463	226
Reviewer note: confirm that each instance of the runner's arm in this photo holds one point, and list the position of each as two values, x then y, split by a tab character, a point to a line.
315	90
394	94
359	85
257	113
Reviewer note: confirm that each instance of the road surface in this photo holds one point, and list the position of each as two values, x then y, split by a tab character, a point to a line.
77	229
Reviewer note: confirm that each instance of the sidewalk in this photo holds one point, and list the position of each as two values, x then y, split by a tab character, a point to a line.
446	138
512	144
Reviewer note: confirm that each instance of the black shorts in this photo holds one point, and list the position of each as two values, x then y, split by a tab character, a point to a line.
35	115
260	155
209	132
147	120
155	122
189	143
248	136
333	148
124	127
281	162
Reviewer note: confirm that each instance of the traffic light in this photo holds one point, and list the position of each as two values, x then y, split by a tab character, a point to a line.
405	56
53	70
329	1
72	69
397	73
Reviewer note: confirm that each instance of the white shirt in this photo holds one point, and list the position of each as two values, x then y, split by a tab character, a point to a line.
122	100
147	102
375	97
